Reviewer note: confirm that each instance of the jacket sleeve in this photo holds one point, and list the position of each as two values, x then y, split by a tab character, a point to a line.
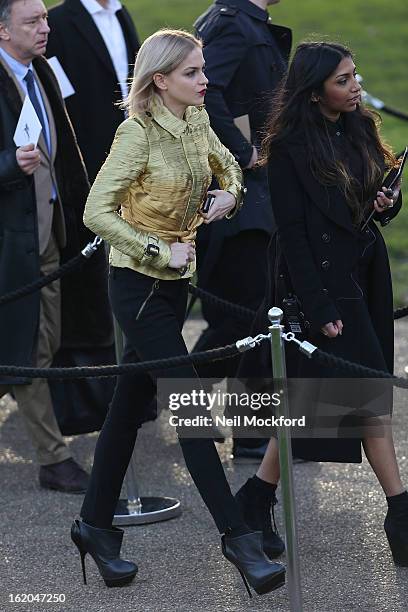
223	54
226	169
11	175
288	201
125	163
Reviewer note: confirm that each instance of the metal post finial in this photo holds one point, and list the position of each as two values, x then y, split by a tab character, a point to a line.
275	315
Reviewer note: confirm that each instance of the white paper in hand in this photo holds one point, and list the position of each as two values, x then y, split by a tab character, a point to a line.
28	128
63	81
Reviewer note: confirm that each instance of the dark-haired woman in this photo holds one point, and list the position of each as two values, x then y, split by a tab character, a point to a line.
326	164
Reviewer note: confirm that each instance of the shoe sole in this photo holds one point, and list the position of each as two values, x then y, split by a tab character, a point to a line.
50	487
277	581
121	581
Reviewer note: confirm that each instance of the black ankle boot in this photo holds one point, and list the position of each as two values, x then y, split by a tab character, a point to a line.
104	547
396	527
246	553
256	508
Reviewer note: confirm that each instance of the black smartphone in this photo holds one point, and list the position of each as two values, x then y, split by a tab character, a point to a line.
394	175
208	203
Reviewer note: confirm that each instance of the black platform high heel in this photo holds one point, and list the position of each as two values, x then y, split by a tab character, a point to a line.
104	547
257	571
396	529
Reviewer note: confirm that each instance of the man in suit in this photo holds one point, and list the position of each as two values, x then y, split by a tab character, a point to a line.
96	43
43	190
246	57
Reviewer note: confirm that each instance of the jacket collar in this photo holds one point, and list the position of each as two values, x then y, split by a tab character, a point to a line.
172	124
247	7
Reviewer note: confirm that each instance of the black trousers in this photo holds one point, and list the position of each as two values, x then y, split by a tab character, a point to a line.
155	334
239	276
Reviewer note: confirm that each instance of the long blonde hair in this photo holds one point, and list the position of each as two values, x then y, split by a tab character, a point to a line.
162	52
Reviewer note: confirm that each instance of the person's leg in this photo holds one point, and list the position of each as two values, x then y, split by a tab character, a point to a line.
205	468
34	400
239	277
380	452
115	444
156	334
257	498
133	394
269	469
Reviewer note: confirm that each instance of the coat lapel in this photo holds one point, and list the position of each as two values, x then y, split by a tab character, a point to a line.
330	200
10	89
131	40
84	23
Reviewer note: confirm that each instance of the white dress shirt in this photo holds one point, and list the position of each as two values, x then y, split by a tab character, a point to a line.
110	29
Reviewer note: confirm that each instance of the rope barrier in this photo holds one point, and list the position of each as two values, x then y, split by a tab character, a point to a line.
224	305
400	312
91	247
41	282
338	363
217	354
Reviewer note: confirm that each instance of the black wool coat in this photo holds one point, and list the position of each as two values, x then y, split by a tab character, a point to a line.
316	252
81	50
86	318
246	56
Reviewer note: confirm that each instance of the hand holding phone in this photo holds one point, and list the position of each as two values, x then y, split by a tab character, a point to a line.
208	203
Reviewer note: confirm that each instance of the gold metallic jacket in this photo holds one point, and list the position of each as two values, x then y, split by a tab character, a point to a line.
153	184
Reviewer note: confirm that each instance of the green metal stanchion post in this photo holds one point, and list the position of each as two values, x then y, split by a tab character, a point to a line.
285	457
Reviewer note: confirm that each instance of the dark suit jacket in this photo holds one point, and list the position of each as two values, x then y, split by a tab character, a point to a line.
78	45
86	317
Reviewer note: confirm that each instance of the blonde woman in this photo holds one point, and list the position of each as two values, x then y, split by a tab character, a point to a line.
146	202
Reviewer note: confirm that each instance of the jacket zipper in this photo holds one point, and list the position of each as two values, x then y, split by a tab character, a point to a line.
144	304
192	178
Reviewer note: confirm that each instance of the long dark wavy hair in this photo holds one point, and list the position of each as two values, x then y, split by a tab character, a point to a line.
295	112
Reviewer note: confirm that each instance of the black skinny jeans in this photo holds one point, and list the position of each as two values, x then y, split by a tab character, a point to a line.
156	334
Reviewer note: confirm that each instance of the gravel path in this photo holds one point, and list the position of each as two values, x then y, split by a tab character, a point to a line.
346	563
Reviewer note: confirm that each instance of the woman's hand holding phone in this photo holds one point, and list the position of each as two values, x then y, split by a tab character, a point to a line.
223	203
387	197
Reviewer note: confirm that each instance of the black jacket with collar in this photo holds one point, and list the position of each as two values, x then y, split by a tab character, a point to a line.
81	50
86	318
246	57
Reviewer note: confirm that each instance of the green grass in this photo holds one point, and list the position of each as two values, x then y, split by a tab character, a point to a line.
376	31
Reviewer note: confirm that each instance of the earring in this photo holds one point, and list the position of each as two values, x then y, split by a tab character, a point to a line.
314	99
